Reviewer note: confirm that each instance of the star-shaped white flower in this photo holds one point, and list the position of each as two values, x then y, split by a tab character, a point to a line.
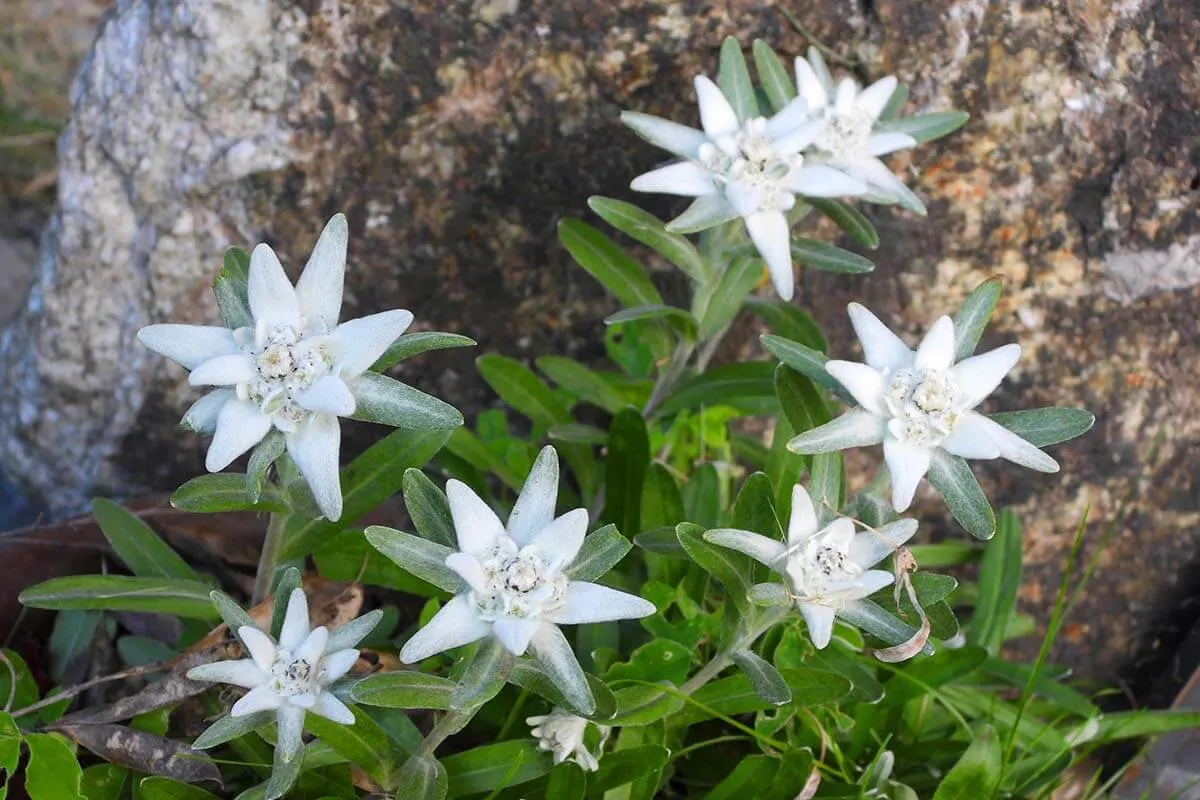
561	733
295	369
751	168
849	140
827	571
918	402
293	676
519	590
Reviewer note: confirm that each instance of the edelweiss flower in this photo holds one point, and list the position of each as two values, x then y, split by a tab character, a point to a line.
561	733
750	168
294	676
827	571
519	588
295	368
919	402
849	140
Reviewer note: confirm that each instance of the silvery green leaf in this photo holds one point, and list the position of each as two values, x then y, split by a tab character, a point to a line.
483	676
652	232
953	478
228	728
413	344
231	289
855	428
578	433
925	127
805	360
704	213
417	556
406	688
734	79
870	618
973	316
849	219
231	613
677	318
427	505
601	551
390	402
421	778
776	82
895	103
354	631
769	594
819	255
265	453
288	582
717	303
766	680
1046	426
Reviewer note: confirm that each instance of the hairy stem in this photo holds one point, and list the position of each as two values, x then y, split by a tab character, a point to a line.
744	640
450	723
264	579
668	378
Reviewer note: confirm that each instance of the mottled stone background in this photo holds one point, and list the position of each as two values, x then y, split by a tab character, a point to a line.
456	134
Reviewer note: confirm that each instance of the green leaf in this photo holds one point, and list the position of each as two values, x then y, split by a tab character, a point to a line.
482	677
405	689
518	386
828	257
10	747
495	766
973	317
102	782
702	497
652	232
766	680
528	676
224	491
387	401
421	778
661	541
287	582
951	476
231	288
731	568
747	387
749	778
471	449
849	219
736	695
733	77
1122	725
754	508
827	484
582	382
657	660
578	433
1046	426
626	766
136	544
1046	685
413	344
364	743
625	468
166	789
70	640
428	507
644	704
228	728
417	556
677	318
567	782
366	482
895	103
790	322
923	676
662	502
999	581
773	75
608	264
264	455
808	362
977	773
718	302
348	556
123	593
52	772
925	127
233	615
602	550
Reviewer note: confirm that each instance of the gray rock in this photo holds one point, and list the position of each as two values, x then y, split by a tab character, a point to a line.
455	135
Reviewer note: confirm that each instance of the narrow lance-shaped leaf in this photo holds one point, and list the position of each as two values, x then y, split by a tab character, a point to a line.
483	676
823	256
652	232
977	774
428	507
123	593
1046	426
582	382
264	455
849	219
405	689
602	550
766	680
136	543
973	316
734	80
608	264
231	288
420	557
999	580
677	318
926	127
953	478
518	386
414	344
625	468
386	401
776	82
718	302
808	362
731	568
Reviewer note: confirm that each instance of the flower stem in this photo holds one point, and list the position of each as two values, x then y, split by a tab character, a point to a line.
668	377
272	545
451	723
744	640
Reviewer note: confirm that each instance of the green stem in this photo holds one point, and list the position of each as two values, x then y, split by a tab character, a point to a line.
450	723
668	377
747	636
264	579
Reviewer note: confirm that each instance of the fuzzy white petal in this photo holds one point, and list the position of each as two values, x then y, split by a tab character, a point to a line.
591	602
787	119
882	349
762	549
979	375
203	415
1017	450
936	350
329	395
681	140
870	547
803	520
874	98
337	664
845	94
313	646
819	619
189	345
809	85
259	645
476	526
820	180
469	569
224	370
703	213
260	698
272	297
793	141
907	464
244	672
554	656
882	179
289	720
770	233
456	623
716	114
314	446
684	178
295	621
747	198
559	542
240	426
362	341
534	509
880	144
855	428
970	438
331	708
515	634
863	381
319	290
873	580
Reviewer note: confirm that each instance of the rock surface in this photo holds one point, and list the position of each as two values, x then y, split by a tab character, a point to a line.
454	135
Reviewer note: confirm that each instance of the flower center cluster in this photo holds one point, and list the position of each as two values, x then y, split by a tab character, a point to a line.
748	159
923	404
820	569
519	583
294	676
845	136
288	364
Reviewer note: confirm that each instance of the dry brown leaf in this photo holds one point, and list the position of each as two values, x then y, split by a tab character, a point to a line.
143	752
